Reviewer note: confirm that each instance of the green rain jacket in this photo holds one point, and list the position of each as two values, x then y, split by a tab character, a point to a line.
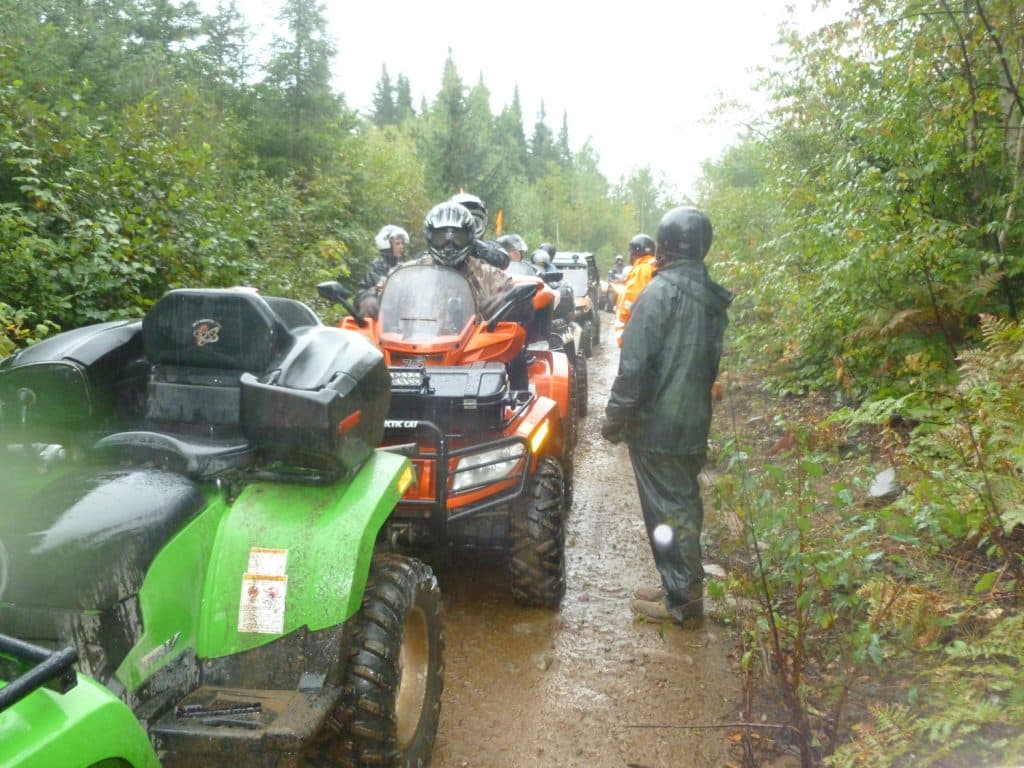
661	397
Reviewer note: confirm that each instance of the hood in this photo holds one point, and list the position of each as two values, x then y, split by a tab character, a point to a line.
692	277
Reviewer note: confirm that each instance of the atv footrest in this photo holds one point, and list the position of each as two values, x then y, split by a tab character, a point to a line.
233	726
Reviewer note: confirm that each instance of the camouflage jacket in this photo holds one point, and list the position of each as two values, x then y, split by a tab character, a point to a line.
488	284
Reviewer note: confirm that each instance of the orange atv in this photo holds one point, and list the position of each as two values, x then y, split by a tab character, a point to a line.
482	417
552	327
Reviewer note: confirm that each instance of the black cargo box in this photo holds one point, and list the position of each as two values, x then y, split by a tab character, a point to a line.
77	380
459	399
328	399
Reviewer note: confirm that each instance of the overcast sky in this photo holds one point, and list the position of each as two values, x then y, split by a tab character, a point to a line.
638	79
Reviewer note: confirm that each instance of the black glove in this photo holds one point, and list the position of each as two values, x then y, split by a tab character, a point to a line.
611	432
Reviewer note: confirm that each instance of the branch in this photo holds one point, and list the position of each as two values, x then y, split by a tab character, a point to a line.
695	726
969	79
1014	90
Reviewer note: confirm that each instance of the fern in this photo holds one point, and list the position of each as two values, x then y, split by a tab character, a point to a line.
972	706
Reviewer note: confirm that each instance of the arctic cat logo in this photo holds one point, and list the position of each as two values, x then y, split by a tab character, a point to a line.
206	332
160	651
400	423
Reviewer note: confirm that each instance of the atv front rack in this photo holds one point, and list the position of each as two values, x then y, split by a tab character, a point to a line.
48	666
510	487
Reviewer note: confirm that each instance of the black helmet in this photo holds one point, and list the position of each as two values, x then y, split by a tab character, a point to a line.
449	228
684	233
640	245
551	250
541	259
476	207
514	242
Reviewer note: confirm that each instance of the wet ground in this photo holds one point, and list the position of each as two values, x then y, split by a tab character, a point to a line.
586	685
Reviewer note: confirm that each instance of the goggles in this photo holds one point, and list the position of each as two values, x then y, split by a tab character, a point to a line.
440	238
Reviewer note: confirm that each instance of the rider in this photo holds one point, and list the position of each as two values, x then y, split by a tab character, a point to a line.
541	260
451	234
488	250
391	242
514	246
615	273
641	255
566	306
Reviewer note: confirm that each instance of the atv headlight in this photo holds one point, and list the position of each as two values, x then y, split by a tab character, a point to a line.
487	466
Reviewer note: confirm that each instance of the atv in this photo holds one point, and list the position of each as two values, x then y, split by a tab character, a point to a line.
554	327
580	270
483	417
189	563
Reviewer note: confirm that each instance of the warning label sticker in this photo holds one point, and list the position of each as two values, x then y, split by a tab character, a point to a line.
261	609
268	562
264	589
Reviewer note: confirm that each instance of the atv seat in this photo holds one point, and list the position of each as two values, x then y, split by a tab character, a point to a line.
198	344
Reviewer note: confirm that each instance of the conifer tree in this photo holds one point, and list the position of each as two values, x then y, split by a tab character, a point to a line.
542	147
383	101
403	100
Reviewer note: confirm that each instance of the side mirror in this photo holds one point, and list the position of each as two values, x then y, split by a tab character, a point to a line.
333	291
552	277
336	293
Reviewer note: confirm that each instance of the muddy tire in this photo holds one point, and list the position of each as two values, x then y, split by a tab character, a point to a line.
568	487
587	339
572	420
394	676
582	387
537	539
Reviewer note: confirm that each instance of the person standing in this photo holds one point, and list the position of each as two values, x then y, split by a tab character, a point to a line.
660	404
641	257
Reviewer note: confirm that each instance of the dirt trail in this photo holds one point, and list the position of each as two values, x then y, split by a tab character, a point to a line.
582	686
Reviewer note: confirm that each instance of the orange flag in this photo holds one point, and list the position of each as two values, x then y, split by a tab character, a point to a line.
498	221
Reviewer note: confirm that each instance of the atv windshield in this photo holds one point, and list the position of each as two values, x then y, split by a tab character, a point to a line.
521	269
424	301
576	276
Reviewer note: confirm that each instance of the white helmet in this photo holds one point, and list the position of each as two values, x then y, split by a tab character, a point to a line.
388	233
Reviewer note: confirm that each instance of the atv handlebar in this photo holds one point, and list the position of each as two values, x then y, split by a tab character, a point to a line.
50	665
516	295
194	458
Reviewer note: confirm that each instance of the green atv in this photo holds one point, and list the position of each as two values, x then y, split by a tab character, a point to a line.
190	568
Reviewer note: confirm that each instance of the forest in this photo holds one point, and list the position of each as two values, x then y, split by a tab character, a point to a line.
870	224
143	148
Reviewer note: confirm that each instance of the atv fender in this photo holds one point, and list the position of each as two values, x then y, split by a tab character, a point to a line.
321	537
316	543
83	727
543	429
549	375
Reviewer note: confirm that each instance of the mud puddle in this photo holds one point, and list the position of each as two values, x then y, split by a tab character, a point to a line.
585	685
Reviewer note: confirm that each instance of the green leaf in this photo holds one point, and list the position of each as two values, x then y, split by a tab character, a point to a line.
812	468
985	583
